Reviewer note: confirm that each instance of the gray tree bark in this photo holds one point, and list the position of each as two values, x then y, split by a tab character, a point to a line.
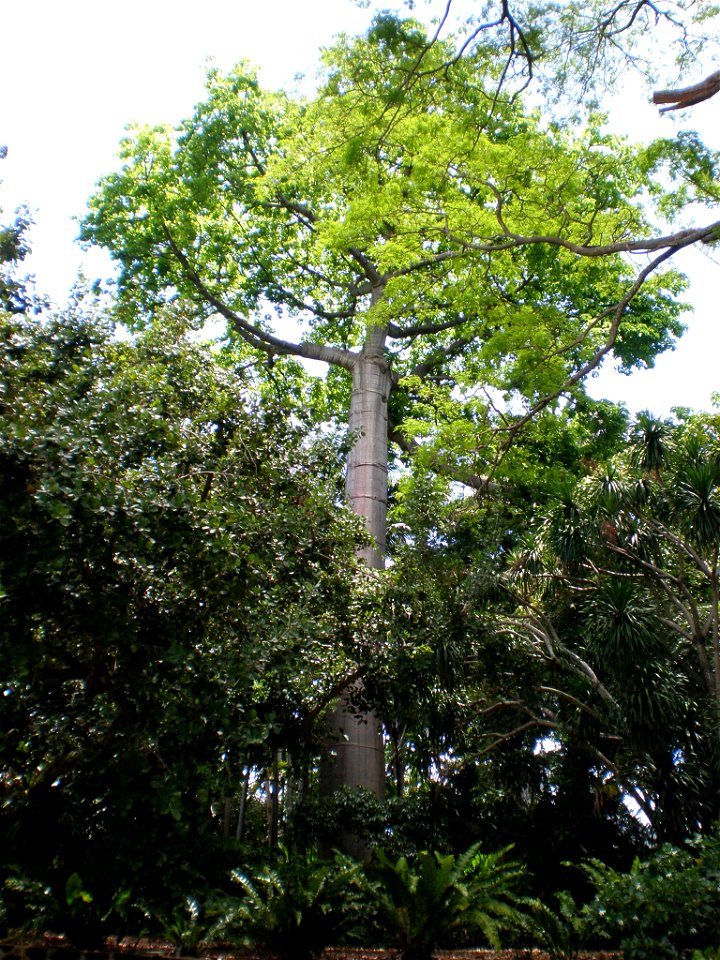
359	759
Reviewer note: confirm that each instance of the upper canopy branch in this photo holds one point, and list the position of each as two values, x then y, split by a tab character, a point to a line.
254	335
511	240
609	26
689	96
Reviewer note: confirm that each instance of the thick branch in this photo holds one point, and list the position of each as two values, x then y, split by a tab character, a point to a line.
257	338
673	241
438	356
423	329
541	629
689	96
377	280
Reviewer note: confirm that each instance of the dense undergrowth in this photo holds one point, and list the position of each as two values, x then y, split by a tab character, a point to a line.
293	906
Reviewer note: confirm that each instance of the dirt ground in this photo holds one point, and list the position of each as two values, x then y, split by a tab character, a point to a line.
54	948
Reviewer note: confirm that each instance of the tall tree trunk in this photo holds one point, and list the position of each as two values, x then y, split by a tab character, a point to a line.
274	786
359	754
243	804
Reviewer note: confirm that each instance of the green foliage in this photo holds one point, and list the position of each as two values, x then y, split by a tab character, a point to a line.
709	953
562	931
320	820
26	905
618	590
421	902
15	296
175	574
15	293
295	906
664	906
190	924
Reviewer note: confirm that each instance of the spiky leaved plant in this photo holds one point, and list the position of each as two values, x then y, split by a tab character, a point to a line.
295	907
422	901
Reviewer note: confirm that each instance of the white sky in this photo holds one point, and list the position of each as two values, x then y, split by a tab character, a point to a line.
73	74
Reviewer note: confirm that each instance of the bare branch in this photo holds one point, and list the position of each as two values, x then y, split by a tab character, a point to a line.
541	629
254	335
500	738
423	329
689	96
569	698
673	241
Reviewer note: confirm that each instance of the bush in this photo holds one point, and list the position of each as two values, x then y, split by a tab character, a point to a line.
423	901
663	907
295	907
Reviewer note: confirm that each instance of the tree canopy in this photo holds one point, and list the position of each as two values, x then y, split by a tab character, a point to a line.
484	245
462	261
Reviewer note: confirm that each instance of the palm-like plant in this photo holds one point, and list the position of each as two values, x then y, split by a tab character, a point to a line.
295	907
423	901
650	443
697	502
634	622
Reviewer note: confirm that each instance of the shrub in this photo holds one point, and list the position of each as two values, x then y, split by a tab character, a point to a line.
295	907
667	905
423	901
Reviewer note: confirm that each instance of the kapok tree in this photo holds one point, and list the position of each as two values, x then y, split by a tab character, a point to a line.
458	263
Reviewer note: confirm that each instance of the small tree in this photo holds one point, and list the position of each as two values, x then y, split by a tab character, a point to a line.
618	592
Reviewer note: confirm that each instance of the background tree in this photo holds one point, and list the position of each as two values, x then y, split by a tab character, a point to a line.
618	594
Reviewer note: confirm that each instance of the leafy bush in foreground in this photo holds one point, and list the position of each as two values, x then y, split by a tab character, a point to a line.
295	907
422	901
175	572
663	907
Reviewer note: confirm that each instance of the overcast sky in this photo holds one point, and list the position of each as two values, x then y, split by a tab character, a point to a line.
74	74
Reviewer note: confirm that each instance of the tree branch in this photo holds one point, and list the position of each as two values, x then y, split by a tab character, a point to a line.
257	338
421	370
423	329
673	241
689	96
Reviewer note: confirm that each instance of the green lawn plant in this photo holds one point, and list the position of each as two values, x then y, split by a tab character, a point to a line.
191	923
561	931
424	900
